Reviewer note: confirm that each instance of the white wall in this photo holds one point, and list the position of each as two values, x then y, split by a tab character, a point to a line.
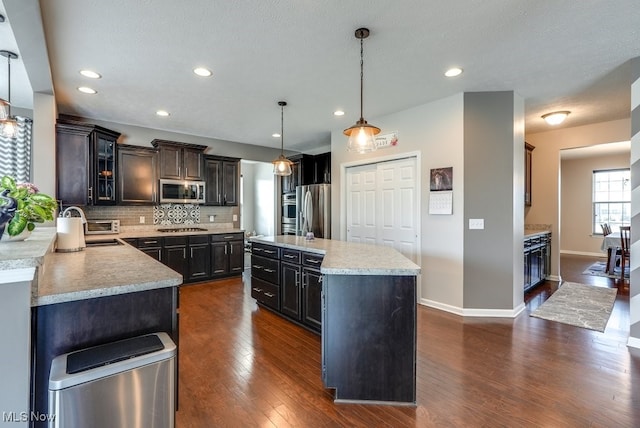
435	130
576	202
259	196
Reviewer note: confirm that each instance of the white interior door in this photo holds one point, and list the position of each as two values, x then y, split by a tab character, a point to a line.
382	205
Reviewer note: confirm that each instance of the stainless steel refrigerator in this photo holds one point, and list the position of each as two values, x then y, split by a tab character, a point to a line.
313	210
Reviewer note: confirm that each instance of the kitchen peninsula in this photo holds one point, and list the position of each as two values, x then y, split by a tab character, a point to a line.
82	299
368	311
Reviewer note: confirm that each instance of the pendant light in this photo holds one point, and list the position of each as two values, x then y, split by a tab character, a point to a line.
361	135
8	123
282	165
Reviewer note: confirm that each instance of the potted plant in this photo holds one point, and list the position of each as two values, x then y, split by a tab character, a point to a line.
22	205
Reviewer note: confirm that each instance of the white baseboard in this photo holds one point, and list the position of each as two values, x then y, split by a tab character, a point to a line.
583	253
484	313
554	278
633	342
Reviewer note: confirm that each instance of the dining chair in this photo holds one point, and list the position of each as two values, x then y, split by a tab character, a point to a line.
625	249
606	230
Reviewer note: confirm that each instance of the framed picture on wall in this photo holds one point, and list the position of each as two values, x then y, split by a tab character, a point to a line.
441	179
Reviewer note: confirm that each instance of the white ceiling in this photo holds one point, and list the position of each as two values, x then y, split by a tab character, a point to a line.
556	54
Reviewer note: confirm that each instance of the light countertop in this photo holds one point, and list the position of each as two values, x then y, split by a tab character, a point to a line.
529	233
348	258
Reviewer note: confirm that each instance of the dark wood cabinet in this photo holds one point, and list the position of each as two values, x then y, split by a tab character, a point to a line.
528	163
222	177
537	259
199	255
307	169
179	161
227	254
322	165
137	175
294	277
290	290
174	251
86	164
152	247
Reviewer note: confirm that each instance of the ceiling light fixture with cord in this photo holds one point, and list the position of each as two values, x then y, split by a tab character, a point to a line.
282	165
556	117
8	123
361	135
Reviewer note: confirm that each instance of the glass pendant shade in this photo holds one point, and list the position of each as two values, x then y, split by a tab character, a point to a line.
362	137
282	166
4	109
9	127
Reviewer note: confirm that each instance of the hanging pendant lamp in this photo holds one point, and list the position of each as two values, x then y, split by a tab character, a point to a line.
8	123
282	165
361	135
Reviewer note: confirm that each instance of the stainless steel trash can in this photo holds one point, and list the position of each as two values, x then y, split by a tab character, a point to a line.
127	384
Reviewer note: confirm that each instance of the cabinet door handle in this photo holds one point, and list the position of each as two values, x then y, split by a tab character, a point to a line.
320	279
186	171
257	249
269	251
256	289
218	197
269	270
184	253
150	242
269	294
231	249
225	250
289	256
228	237
191	252
298	279
90	193
257	267
315	262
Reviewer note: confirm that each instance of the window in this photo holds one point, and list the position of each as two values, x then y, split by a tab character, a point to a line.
611	199
15	152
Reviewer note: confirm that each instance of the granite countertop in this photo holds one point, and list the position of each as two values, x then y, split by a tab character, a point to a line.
97	272
529	233
30	252
348	258
152	231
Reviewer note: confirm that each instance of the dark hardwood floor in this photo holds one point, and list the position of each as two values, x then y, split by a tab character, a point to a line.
242	366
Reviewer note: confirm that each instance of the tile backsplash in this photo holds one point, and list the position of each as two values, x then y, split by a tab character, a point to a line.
165	214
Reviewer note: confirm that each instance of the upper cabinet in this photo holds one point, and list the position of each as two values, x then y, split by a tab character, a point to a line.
180	161
307	169
86	158
137	175
528	155
222	177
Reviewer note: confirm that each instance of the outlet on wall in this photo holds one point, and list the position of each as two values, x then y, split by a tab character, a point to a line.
235	217
476	223
212	218
141	219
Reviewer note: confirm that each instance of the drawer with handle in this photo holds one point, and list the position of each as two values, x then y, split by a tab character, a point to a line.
265	268
149	242
312	260
265	293
290	256
265	250
222	237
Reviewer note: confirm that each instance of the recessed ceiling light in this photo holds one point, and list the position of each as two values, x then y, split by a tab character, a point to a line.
162	113
90	74
338	113
203	72
556	117
87	90
453	72
275	135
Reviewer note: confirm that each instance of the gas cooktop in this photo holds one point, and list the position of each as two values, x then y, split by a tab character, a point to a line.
183	229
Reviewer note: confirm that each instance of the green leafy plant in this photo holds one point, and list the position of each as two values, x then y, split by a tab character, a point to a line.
32	206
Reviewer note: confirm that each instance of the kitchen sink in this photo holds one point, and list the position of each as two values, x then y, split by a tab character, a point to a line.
103	242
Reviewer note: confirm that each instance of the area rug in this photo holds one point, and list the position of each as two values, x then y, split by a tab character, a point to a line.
579	305
597	269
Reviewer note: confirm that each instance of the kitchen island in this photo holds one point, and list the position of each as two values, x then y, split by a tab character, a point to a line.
368	313
87	298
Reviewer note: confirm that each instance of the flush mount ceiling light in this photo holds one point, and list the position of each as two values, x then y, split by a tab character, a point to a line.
556	117
361	135
282	165
90	74
453	72
162	113
202	72
87	90
8	123
338	113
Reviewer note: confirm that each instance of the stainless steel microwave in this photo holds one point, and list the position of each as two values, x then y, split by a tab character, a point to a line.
182	192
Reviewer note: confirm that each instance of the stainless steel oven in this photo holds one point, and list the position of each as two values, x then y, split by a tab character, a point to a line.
289	214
